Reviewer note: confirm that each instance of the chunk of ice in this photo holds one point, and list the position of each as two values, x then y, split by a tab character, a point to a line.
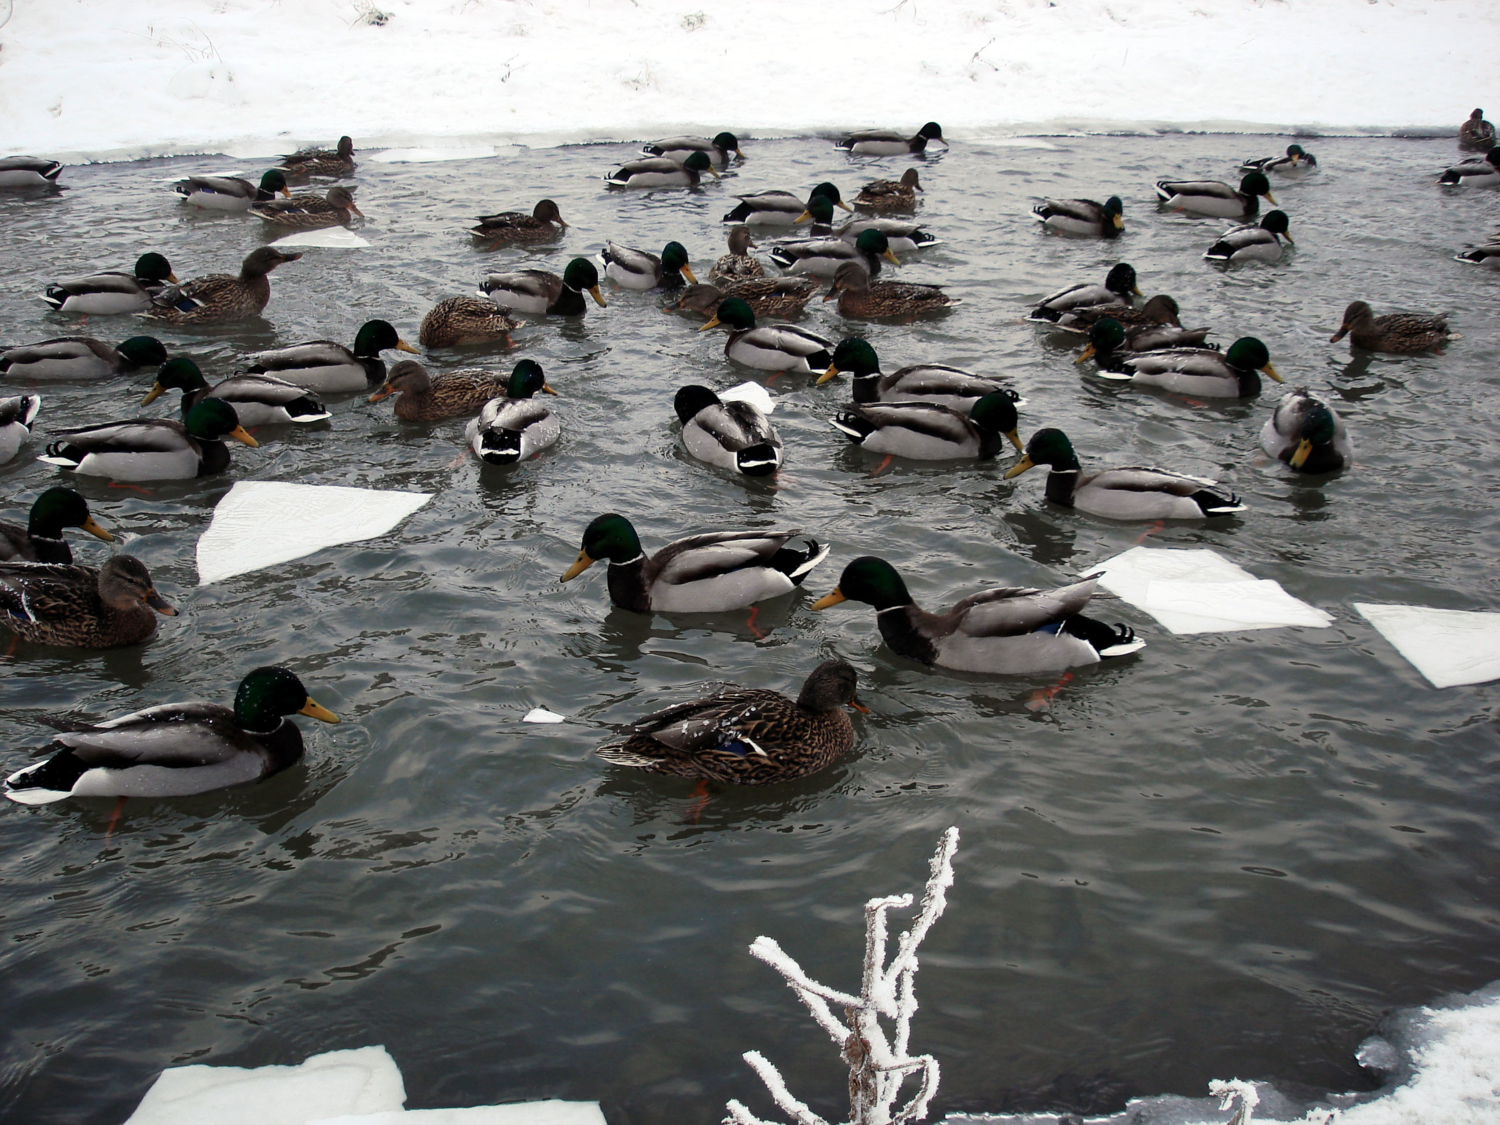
542	715
332	238
1448	646
753	393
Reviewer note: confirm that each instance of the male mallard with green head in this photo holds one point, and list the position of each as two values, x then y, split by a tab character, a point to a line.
934	383
41	540
516	426
768	347
330	368
258	400
230	193
114	291
544	293
152	448
80	358
1214	198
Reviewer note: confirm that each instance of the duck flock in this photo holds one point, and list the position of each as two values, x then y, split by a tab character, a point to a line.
923	412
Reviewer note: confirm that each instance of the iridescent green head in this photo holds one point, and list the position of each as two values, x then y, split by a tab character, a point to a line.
1047	447
1255	183
375	336
996	412
58	508
153	267
674	259
180	374
1295	152
819	210
874	243
266	694
1248	353
609	537
871	580
830	192
142	351
273	182
580	274
729	143
700	163
213	419
734	312
1106	335
526	379
855	356
691	400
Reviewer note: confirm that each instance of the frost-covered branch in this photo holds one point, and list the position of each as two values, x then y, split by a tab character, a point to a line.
878	1065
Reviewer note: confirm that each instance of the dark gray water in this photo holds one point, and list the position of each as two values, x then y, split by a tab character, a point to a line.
1225	857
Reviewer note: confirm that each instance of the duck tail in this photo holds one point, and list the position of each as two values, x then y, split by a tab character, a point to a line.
617	754
1043	315
47	781
856	427
62	454
798	563
55	295
739	214
1217	503
1162	191
758	460
500	447
1107	640
780	256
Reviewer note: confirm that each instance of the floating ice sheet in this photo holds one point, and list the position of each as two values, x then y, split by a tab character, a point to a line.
519	1113
262	523
1200	591
753	393
332	238
362	1081
1448	646
542	715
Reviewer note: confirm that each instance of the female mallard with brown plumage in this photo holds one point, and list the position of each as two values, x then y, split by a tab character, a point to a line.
456	321
739	262
1395	332
1009	630
748	736
881	196
769	297
221	297
306	211
332	164
859	296
81	606
41	540
452	394
511	228
1476	134
1160	309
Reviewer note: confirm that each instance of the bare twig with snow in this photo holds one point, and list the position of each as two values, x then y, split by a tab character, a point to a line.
878	1063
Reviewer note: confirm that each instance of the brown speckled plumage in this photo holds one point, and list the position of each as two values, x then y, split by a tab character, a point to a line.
746	736
769	298
455	321
739	262
1394	332
332	164
859	296
427	398
883	196
306	211
80	606
514	227
220	296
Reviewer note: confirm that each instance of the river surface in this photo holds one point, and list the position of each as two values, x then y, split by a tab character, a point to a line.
1224	857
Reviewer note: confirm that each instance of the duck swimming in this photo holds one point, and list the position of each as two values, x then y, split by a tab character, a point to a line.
1295	163
543	293
230	193
515	427
152	448
28	171
746	736
1082	216
1118	288
1398	333
510	228
718	148
427	398
1474	173
177	749
858	296
220	297
1199	372
934	383
1252	242
329	368
81	606
924	431
1211	197
660	172
822	257
739	262
1306	434
17	414
636	269
41	540
764	296
112	292
882	196
780	208
310	212
1476	134
325	163
80	358
890	142
769	347
729	435
258	400
1009	630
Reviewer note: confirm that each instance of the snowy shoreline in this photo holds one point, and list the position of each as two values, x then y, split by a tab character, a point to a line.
88	80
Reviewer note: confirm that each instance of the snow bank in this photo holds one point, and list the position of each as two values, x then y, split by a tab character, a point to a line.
1443	1062
124	78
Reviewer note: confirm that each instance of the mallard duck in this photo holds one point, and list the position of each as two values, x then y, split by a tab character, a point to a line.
1118	288
80	358
331	164
765	296
115	291
1212	197
1110	341
230	193
717	149
1160	310
769	347
17	413
1133	493
1082	216
258	399
636	269
1394	332
515	426
660	172
541	292
220	296
41	540
1200	372
780	208
177	749
457	321
924	431
934	383
746	736
1307	434
890	195
152	448
711	573
890	142
1009	630
1487	255
1476	134
899	234
1484	172
1252	242
28	171
510	227
81	606
1295	163
822	257
306	211
730	435
330	368
738	263
451	394
858	296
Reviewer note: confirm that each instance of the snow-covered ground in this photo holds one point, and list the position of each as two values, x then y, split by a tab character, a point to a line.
86	79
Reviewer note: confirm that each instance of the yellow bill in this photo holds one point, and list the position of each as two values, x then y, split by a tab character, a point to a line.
153	394
580	564
239	435
322	714
1020	466
829	599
